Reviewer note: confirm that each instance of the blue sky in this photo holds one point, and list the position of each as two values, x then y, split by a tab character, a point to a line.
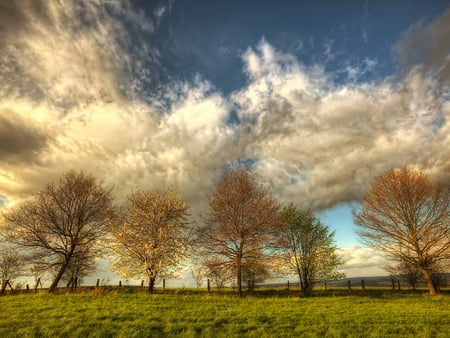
316	97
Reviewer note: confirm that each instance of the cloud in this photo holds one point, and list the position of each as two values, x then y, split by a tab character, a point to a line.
319	143
361	261
426	45
22	142
74	94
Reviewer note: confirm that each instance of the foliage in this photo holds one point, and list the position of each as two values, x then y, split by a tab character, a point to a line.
408	217
307	246
62	223
238	223
151	238
181	315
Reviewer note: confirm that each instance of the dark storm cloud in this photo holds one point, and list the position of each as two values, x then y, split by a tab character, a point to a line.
19	142
427	45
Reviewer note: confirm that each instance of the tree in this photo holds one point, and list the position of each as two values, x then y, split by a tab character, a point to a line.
216	270
11	265
62	223
307	246
237	224
198	274
407	216
79	269
151	238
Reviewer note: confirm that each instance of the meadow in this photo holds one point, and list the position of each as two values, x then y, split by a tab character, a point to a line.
183	313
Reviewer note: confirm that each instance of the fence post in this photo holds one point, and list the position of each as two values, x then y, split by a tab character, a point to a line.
28	288
363	285
142	284
98	283
37	284
326	286
164	284
288	285
349	284
120	284
209	285
398	284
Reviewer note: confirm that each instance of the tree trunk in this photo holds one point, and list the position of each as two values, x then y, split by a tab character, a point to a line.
239	277
307	288
58	277
151	284
430	284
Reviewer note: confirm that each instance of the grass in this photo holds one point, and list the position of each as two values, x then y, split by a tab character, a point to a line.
188	314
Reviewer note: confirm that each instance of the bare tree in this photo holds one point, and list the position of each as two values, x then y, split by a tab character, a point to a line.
151	238
198	273
307	247
217	271
78	269
238	223
410	273
11	265
408	217
62	223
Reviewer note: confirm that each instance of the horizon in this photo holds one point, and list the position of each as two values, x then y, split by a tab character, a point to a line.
314	98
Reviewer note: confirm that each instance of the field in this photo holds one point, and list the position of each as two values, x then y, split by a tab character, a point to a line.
186	313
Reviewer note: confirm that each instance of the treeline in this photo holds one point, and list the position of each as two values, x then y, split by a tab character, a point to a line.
244	233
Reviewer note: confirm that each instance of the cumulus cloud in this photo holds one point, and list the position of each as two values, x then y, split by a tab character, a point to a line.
361	261
74	77
321	143
425	45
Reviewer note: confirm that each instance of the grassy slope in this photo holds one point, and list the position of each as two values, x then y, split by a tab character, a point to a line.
144	315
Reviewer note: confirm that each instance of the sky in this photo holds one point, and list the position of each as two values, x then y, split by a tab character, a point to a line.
315	97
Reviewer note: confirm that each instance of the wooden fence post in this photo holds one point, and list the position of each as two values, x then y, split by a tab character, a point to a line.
349	284
363	285
120	284
164	284
28	288
288	285
209	285
398	284
326	286
37	284
98	283
142	284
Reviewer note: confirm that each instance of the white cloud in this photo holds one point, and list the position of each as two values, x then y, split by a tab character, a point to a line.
338	136
362	262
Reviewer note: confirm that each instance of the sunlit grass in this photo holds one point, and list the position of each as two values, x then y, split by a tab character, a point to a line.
267	314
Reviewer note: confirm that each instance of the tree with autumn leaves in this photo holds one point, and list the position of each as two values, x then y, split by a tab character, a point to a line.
237	226
150	238
407	216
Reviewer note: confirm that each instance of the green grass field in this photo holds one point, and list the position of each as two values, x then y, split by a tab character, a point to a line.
266	314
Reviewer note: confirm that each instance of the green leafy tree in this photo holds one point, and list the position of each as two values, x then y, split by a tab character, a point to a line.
307	246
